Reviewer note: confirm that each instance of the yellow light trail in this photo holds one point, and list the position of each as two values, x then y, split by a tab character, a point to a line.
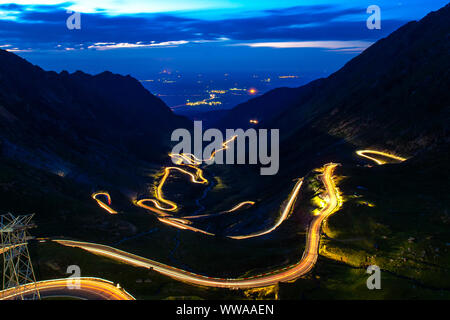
181	220
188	160
193	160
175	223
198	178
184	159
235	208
283	216
4	249
290	273
102	204
363	153
90	287
240	205
141	203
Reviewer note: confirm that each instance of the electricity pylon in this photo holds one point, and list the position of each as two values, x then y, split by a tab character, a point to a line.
17	267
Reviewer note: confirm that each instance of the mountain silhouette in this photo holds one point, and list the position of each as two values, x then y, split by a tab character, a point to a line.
394	95
69	118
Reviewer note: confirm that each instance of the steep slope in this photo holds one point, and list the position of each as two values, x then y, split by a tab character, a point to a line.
63	136
268	106
72	119
394	95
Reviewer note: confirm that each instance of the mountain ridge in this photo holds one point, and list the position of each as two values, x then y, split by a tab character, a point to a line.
78	123
379	98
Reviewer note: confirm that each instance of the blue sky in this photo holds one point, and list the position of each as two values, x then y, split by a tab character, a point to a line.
199	36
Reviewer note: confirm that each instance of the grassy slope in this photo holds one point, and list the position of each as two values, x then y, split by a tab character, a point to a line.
64	208
50	261
394	216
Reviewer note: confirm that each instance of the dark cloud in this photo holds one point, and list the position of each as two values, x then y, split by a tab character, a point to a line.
44	26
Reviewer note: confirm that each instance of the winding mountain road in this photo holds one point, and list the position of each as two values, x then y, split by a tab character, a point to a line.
374	153
86	289
282	275
95	288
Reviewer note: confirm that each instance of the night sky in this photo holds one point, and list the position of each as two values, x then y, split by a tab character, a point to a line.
192	36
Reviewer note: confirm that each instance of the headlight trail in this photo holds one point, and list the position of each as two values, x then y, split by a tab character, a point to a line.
89	288
163	211
290	273
141	203
3	250
181	220
162	207
175	223
240	205
172	206
282	217
185	159
363	153
188	160
235	208
101	203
